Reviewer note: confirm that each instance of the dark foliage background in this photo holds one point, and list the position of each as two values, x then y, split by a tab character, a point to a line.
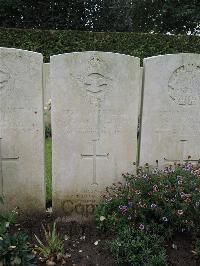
49	42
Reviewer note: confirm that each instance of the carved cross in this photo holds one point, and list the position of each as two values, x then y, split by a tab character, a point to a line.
94	158
1	168
182	160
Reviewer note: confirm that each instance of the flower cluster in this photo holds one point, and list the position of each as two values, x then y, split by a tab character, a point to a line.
165	199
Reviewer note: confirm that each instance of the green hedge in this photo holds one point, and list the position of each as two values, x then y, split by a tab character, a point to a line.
50	42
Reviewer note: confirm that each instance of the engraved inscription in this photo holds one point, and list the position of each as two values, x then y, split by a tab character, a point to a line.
1	169
4	78
182	159
182	152
94	84
81	203
188	122
10	118
6	85
184	85
83	208
114	121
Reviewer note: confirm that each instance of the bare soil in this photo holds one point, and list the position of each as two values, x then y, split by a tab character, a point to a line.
180	251
86	245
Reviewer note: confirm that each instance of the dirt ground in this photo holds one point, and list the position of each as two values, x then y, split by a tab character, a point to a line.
86	245
180	251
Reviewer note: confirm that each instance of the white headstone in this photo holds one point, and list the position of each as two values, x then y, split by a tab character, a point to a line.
171	109
95	98
21	131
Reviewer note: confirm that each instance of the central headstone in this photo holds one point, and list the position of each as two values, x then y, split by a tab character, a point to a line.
95	101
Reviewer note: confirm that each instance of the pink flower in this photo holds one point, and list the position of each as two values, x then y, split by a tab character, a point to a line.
180	212
182	194
123	208
141	227
142	205
165	219
155	188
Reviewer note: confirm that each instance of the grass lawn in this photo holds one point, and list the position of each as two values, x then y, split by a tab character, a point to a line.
48	167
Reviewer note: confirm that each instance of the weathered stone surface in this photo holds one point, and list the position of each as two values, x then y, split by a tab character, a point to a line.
21	130
95	99
171	109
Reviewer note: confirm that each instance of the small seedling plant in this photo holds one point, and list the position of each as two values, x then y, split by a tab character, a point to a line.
52	248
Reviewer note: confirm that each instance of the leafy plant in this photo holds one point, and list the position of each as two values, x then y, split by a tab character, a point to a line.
48	169
136	248
53	247
197	247
14	250
1	200
6	220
